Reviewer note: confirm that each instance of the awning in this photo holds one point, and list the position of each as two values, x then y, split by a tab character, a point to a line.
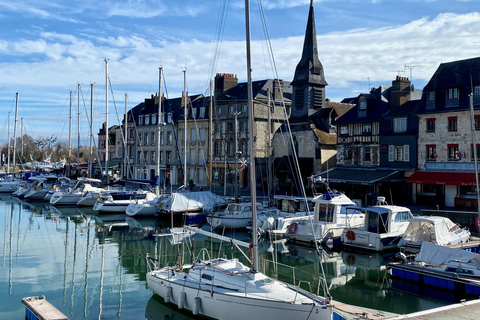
448	178
361	176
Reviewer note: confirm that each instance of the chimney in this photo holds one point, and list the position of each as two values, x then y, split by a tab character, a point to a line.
224	81
400	91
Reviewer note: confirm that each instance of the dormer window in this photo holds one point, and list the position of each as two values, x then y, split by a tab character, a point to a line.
431	95
452	93
147	119
140	120
363	105
400	125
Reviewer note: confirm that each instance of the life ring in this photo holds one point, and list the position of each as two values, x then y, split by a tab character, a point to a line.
476	224
292	228
350	235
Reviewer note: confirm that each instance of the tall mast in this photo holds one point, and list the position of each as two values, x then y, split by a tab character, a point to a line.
8	149
90	158
253	183
21	134
78	130
15	133
159	119
125	127
70	135
475	157
185	128
106	122
210	130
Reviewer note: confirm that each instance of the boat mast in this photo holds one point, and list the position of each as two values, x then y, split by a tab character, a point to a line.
210	147
106	122
78	130
15	133
70	136
475	157
253	183
21	134
185	128
159	118
90	158
8	149
125	127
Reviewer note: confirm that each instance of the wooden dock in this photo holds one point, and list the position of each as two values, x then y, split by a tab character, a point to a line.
39	308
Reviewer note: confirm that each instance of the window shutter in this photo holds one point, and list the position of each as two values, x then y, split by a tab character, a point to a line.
406	149
391	152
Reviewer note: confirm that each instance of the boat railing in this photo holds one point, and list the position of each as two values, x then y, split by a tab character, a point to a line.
322	282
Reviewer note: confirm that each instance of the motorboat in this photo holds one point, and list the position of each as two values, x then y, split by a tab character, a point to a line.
117	202
64	183
9	184
435	229
333	212
442	267
290	209
383	228
235	216
89	197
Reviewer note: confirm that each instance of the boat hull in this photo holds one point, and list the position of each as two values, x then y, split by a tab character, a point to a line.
233	305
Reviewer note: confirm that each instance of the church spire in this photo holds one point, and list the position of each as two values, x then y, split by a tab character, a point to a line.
309	80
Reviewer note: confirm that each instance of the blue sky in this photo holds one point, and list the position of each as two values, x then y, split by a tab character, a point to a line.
47	48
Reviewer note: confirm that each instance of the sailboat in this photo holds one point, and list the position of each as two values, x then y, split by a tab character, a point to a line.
226	288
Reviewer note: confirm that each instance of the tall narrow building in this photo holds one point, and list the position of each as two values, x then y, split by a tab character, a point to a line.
309	83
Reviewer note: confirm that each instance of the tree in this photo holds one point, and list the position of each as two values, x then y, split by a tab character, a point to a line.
45	146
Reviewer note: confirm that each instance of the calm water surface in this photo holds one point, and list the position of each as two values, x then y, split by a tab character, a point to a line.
93	266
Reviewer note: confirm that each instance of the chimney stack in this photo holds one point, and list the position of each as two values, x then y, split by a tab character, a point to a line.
400	91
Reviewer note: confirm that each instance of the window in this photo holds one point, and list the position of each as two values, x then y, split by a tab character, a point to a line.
400	125
452	123
193	156
431	152
399	153
403	216
244	108
169	118
230	127
154	118
478	151
145	142
219	110
476	122
147	119
154	160
476	90
139	139
453	153
140	120
152	138
431	125
139	156
201	157
161	138
243	126
231	109
367	128
366	154
202	134
348	153
452	93
202	113
363	105
193	135
229	148
217	148
194	113
344	130
169	138
431	95
145	156
169	156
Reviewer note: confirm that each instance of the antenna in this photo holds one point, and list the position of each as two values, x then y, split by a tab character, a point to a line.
397	71
368	84
411	68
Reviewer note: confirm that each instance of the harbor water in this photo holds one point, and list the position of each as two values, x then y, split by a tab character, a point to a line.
93	266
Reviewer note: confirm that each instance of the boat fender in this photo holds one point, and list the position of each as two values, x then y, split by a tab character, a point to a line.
350	235
182	299
196	305
168	295
292	228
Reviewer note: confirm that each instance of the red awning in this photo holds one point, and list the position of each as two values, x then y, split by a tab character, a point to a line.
448	178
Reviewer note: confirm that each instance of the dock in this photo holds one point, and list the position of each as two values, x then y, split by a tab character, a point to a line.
468	310
38	308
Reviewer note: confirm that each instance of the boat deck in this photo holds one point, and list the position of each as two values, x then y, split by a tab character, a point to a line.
350	312
40	308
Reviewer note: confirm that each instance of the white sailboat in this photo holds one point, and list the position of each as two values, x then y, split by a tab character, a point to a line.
226	288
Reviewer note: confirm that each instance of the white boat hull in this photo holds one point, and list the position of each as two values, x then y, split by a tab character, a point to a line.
142	209
223	303
226	222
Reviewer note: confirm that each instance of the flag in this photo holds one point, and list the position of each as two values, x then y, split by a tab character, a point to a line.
459	155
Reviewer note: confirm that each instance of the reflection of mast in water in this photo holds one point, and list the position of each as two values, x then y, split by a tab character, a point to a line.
101	282
120	268
5	231
65	261
73	271
10	268
86	272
